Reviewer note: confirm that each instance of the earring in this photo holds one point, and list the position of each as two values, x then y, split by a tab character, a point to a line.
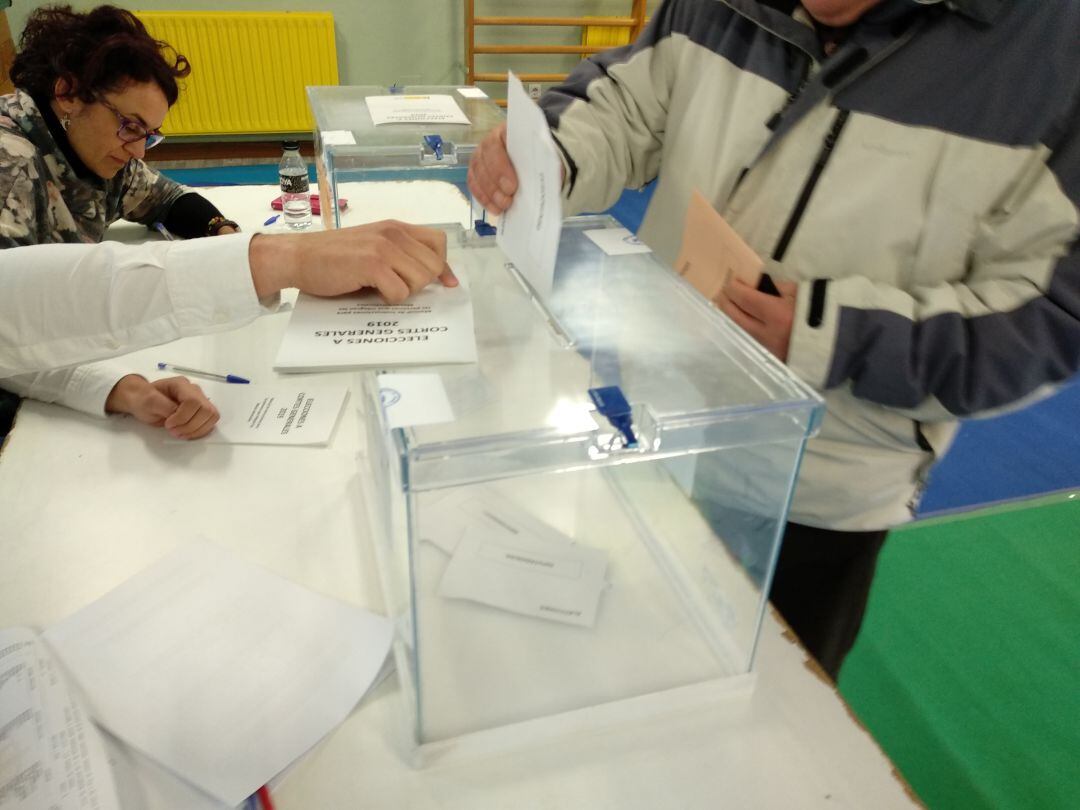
65	122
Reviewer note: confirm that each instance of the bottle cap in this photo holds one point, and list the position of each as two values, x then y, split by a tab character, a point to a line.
290	144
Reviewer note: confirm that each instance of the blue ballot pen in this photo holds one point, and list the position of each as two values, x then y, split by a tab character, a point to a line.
194	372
272	220
160	228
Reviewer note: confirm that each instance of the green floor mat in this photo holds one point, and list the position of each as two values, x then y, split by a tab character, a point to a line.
967	670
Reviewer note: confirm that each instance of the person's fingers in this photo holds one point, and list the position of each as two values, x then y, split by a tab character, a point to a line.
492	178
448	278
429	261
185	411
502	168
176	388
433	238
746	298
193	407
154	408
788	289
200	423
477	187
389	284
750	325
406	257
485	186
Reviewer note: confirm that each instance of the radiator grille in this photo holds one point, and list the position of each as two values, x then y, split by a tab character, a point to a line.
249	69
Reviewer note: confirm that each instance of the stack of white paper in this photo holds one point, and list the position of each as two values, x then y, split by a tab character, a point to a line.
433	326
51	756
219	670
504	557
275	414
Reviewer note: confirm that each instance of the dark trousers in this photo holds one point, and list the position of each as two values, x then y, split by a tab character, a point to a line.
821	585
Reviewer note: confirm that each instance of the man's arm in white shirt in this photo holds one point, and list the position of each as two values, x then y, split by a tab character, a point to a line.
84	388
61	305
66	304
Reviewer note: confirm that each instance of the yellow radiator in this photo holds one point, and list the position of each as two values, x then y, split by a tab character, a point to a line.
248	69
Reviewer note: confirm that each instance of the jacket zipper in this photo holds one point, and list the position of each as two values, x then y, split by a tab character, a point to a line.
812	181
772	124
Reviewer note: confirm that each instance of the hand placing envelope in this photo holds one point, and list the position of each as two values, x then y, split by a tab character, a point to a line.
713	253
723	268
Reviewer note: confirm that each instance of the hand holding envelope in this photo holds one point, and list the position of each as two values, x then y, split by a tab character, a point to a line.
727	271
713	253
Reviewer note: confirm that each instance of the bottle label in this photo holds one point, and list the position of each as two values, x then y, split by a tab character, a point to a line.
294	183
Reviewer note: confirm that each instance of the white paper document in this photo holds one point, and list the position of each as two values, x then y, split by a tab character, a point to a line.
433	326
275	414
337	137
507	565
444	524
529	230
51	756
409	109
472	92
143	783
218	669
414	399
617	241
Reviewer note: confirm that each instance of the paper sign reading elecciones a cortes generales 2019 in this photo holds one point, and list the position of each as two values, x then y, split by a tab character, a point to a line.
433	326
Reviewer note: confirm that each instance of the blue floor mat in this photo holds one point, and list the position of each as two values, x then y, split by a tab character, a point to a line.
1028	453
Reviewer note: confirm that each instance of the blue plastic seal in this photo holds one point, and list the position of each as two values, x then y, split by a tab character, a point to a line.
435	142
610	401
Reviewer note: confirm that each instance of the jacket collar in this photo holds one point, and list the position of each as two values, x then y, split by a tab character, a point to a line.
39	124
985	11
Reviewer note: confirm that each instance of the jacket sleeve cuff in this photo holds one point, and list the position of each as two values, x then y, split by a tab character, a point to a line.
813	333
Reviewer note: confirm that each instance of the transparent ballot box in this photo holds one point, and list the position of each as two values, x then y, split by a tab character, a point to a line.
351	147
547	553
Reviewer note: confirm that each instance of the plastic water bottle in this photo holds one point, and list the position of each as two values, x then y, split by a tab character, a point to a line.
295	194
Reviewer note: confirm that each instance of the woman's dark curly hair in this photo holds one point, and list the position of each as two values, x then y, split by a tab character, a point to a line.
97	52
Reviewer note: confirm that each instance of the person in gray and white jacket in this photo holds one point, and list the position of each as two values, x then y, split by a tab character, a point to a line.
911	172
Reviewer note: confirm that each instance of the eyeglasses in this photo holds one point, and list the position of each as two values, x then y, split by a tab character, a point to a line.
131	131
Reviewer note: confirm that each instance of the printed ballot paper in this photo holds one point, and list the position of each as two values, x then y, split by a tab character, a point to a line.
529	230
275	414
414	399
712	252
403	109
505	558
218	669
352	331
444	524
51	755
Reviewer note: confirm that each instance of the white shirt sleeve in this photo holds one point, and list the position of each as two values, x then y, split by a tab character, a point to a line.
61	305
84	388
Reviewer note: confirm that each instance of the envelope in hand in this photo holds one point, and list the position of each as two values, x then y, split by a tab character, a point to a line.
713	253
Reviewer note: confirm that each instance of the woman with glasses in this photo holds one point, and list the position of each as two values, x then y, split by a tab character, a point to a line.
92	91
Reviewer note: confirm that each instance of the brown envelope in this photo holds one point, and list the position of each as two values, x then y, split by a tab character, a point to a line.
712	252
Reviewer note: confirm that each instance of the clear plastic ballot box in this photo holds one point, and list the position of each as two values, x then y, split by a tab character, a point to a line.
350	146
593	524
